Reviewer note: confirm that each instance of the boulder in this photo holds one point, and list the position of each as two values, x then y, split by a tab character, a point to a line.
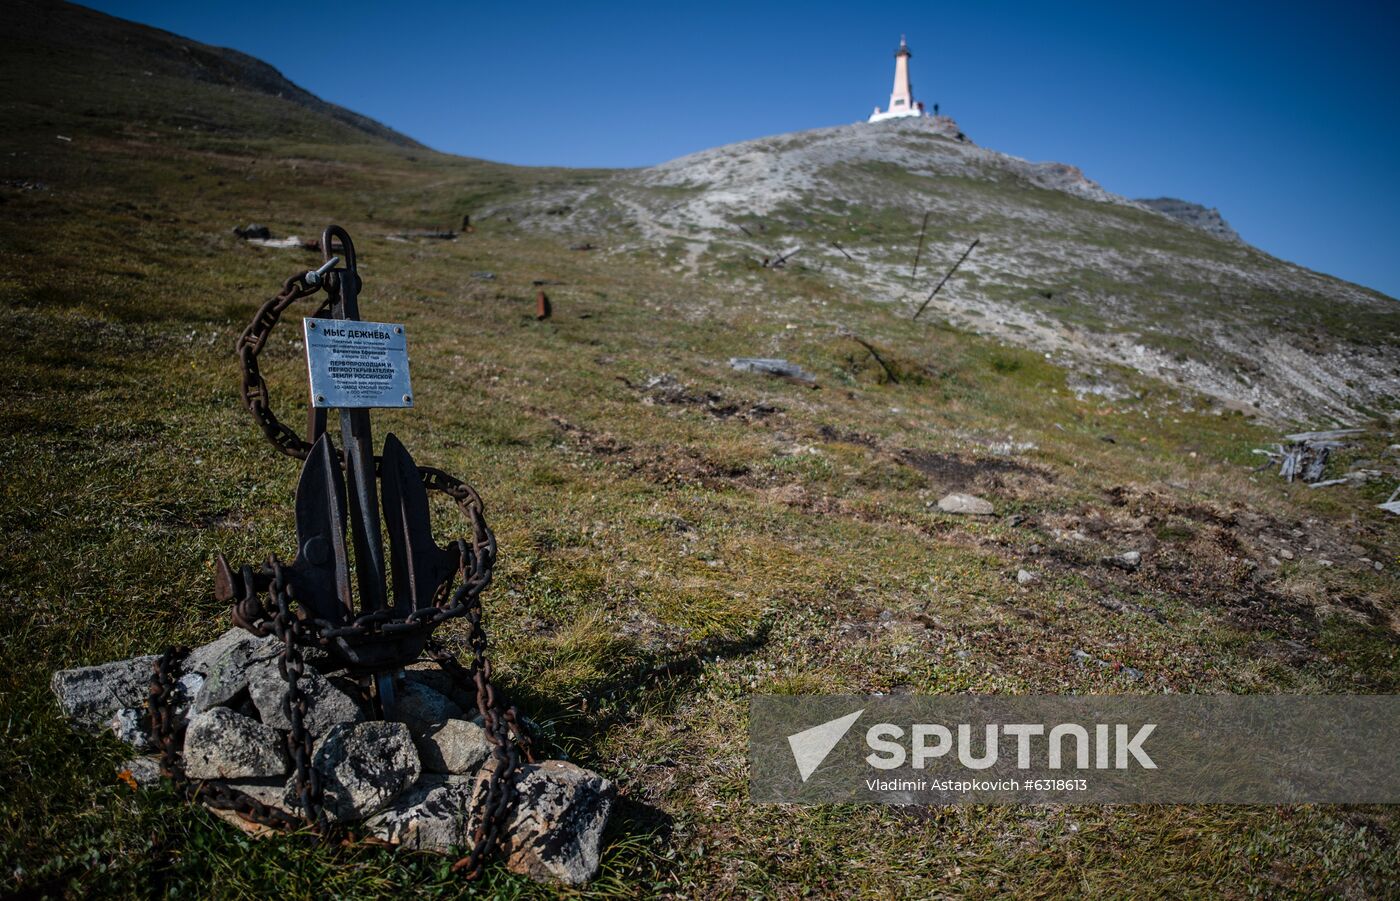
129	726
364	767
327	705
202	658
272	792
433	676
267	791
556	829
456	746
965	504
422	708
225	664
221	744
434	815
253	231
90	695
773	366
140	772
1128	560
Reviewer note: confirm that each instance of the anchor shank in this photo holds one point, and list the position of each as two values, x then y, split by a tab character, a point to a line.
364	508
359	466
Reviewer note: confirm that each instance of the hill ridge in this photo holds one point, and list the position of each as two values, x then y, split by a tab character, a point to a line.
66	27
1063	266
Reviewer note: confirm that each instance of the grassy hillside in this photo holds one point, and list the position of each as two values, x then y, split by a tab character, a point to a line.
674	535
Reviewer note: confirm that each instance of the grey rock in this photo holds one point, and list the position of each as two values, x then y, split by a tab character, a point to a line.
251	231
456	746
226	663
364	767
190	685
327	705
772	366
1026	577
221	744
421	707
1129	560
144	771
434	815
965	504
203	657
129	726
558	822
272	792
433	676
90	695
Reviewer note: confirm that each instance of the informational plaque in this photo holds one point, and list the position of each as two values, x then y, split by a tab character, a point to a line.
355	364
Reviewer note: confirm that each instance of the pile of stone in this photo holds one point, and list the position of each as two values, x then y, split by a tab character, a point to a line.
416	782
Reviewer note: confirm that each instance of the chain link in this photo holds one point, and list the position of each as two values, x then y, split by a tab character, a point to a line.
168	730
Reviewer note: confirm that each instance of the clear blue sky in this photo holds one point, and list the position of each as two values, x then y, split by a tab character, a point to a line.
1284	115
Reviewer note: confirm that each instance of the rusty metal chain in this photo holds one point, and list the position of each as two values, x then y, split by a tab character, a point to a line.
168	730
250	345
288	628
509	740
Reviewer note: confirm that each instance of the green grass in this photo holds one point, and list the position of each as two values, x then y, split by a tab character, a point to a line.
659	562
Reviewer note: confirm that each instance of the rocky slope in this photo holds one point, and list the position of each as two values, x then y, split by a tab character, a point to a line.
1208	219
1063	265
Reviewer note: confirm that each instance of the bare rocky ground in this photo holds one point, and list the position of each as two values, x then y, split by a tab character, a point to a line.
1063	266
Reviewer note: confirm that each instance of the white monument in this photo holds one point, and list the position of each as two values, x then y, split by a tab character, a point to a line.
902	103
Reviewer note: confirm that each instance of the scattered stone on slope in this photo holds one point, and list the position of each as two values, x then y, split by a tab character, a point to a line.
456	746
363	767
90	695
1128	560
965	504
253	231
558	822
1026	577
221	744
773	366
327	705
1083	658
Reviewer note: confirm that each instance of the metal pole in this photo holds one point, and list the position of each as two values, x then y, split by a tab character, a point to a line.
918	253
944	281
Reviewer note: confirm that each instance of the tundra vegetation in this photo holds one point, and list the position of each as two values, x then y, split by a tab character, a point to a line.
675	534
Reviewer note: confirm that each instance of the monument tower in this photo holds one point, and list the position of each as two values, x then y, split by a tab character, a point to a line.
902	101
